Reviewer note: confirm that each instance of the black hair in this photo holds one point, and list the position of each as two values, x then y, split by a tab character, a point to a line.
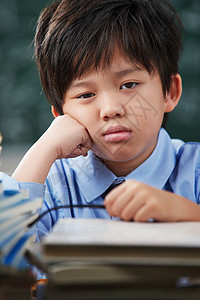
76	36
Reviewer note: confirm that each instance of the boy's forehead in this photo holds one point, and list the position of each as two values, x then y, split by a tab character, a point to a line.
119	65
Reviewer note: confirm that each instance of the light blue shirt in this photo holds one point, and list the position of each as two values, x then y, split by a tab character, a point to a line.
173	166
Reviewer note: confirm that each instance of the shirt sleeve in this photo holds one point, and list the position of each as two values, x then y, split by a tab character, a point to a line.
9	183
48	215
36	190
186	175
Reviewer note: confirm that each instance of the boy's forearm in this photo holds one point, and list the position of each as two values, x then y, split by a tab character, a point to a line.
36	164
55	143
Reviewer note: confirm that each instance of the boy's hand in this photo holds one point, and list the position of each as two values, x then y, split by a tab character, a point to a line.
67	137
136	201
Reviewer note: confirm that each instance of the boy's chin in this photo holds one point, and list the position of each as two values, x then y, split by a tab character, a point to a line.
118	153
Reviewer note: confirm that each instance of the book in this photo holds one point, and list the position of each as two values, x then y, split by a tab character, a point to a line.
119	260
63	271
15	228
15	257
17	212
20	208
119	241
14	221
11	197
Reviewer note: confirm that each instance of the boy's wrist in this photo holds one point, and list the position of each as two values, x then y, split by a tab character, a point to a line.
46	147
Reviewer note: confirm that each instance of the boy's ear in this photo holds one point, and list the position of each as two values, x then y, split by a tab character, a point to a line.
54	112
173	96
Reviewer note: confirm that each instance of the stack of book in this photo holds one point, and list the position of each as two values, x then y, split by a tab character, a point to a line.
109	259
17	211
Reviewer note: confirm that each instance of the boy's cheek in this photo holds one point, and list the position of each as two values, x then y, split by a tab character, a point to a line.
82	116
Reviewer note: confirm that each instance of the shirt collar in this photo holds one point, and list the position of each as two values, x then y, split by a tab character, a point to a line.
156	170
94	178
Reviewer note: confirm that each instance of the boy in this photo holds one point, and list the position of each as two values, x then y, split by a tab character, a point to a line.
110	70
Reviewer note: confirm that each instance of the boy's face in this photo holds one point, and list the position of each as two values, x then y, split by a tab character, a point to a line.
122	109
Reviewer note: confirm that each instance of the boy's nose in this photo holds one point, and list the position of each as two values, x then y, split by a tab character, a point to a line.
111	107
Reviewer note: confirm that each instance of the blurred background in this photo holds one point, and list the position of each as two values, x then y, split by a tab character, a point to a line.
24	111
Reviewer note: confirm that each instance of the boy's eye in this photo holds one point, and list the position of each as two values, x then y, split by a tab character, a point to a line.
86	95
128	85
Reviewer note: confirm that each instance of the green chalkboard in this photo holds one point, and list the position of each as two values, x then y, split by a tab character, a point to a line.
24	110
184	122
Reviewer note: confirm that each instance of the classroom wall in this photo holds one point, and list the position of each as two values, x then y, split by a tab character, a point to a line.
24	111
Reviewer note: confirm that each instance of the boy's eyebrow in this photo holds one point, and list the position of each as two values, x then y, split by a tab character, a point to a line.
126	71
80	84
120	73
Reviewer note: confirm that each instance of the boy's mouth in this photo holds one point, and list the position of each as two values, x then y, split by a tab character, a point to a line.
117	133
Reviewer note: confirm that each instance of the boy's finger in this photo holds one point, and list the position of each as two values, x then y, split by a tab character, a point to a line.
116	207
132	208
143	214
129	186
114	194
